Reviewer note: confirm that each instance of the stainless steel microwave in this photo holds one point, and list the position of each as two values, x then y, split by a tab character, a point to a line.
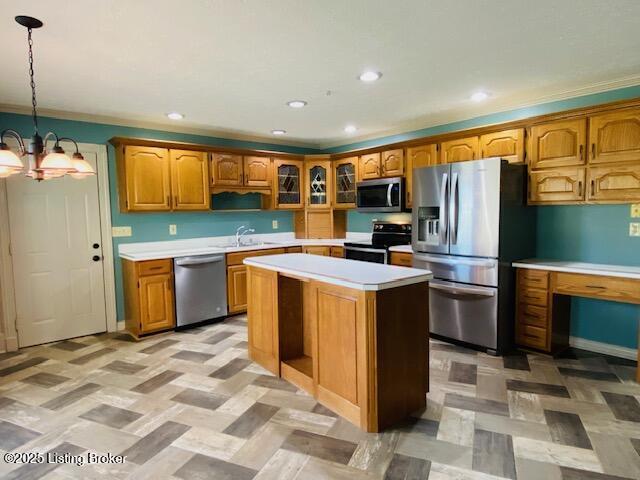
380	195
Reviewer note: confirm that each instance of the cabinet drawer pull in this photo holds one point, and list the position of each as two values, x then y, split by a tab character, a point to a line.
156	268
599	287
531	296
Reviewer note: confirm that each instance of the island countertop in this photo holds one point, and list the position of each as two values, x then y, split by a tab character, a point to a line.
339	271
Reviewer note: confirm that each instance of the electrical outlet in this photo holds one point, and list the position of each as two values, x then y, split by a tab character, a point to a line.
634	229
274	224
120	231
173	229
635	210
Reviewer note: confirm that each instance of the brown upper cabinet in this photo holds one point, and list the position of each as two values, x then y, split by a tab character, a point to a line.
614	183
318	183
558	144
240	171
507	144
370	166
344	174
155	179
615	136
145	172
257	172
459	150
288	185
389	163
417	157
557	185
189	180
226	169
392	163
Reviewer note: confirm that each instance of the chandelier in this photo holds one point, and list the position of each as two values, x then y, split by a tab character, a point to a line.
42	163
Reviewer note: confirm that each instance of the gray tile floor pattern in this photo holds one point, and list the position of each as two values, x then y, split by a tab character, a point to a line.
190	405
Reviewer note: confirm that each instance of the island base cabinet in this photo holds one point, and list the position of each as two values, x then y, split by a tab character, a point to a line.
362	354
262	289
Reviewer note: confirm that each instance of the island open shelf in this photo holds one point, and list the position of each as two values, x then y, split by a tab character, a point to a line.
360	352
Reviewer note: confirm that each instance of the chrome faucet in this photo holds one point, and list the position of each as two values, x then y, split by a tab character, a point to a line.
241	232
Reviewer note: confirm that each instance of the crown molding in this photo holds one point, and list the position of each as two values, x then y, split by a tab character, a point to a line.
473	110
469	112
164	127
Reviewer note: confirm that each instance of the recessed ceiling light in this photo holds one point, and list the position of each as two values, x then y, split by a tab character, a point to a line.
370	76
479	96
350	128
175	115
297	103
278	132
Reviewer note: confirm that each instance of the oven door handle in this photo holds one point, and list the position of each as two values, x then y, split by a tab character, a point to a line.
456	289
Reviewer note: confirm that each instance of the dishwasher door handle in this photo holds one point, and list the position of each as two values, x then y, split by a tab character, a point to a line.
201	260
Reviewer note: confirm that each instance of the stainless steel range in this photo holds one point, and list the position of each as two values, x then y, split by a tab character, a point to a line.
385	235
470	221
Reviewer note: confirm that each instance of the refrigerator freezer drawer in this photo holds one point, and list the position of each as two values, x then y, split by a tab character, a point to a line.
480	271
468	313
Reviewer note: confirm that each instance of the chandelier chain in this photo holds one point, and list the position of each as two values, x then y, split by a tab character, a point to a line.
33	82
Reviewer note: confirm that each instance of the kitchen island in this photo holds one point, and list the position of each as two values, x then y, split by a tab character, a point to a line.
352	334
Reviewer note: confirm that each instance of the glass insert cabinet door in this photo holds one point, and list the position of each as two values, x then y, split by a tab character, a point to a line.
345	178
288	184
318	184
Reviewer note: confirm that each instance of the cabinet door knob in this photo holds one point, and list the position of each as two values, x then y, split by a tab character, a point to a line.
96	246
96	258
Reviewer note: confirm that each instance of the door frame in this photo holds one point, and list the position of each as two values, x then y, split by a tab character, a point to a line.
8	330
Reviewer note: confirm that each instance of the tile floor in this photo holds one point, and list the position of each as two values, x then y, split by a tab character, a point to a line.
191	405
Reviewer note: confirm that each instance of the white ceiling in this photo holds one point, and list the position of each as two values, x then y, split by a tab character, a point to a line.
231	65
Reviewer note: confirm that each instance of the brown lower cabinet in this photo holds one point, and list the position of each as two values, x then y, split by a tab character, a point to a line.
149	296
237	276
401	259
317	250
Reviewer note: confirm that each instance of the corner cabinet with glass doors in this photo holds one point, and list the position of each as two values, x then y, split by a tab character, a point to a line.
344	175
318	183
288	184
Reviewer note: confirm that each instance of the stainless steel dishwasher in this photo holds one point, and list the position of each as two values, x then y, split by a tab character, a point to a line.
201	288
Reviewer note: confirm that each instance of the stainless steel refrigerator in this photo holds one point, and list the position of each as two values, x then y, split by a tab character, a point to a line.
470	221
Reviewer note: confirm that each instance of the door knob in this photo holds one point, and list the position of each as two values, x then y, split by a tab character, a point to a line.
96	258
96	245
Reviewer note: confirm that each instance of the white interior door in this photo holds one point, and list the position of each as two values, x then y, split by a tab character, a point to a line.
55	233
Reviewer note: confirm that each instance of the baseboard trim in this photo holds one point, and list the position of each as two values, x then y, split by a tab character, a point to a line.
605	348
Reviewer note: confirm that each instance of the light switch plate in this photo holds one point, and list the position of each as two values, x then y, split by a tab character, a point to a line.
173	229
274	224
635	210
120	231
634	229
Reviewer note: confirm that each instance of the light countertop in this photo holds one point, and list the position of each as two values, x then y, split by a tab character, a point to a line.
623	271
339	271
141	251
401	248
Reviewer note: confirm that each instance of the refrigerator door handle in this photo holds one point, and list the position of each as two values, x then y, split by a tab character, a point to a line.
454	205
444	217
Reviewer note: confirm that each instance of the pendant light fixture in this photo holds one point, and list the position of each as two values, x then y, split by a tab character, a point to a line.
43	164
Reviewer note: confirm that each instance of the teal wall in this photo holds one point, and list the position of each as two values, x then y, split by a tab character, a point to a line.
155	226
584	233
